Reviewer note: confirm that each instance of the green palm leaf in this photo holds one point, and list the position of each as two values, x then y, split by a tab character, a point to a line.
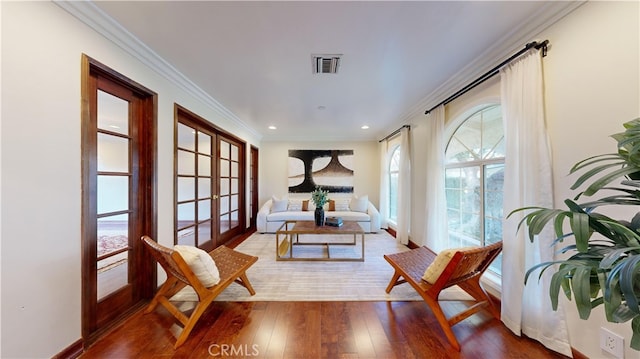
603	265
628	274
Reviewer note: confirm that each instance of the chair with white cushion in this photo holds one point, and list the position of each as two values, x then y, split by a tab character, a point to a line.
208	273
429	274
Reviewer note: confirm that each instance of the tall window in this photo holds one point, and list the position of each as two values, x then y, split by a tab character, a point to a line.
394	170
474	180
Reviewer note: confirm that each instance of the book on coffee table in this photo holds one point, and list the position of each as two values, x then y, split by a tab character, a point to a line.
333	221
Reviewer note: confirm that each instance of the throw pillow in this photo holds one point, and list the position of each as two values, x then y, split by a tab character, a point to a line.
332	205
359	204
305	205
438	265
342	204
295	205
279	205
201	264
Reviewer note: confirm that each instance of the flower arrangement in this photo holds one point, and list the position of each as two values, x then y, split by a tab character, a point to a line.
319	197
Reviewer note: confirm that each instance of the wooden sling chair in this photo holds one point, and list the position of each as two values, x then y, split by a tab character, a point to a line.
231	265
463	267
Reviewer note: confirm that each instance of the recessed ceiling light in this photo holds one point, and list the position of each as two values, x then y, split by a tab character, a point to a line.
272	127
322	108
364	127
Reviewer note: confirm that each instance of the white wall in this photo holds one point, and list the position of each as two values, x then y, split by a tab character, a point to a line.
592	81
40	145
274	167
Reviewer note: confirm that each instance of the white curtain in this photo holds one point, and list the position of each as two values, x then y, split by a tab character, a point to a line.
527	182
404	188
436	233
384	184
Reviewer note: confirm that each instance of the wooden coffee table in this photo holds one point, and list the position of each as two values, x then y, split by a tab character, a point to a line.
288	236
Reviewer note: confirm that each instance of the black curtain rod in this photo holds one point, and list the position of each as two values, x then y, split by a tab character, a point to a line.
394	132
494	71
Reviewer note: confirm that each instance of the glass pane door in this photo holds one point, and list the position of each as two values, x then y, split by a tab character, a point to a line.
229	166
194	187
209	183
118	196
113	188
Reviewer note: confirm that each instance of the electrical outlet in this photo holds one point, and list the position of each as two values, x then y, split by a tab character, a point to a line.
612	343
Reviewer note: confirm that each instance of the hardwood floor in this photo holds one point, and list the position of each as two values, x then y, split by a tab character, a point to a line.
400	330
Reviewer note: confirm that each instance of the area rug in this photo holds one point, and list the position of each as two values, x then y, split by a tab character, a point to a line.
322	281
108	244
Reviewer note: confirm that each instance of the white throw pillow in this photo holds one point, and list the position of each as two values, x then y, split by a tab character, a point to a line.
342	204
295	205
438	265
279	205
359	204
201	264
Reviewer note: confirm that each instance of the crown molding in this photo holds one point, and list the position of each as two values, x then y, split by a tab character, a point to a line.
95	18
502	48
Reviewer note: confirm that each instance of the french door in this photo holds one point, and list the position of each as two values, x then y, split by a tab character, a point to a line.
209	182
119	180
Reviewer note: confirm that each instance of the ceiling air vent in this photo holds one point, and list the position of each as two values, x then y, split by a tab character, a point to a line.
325	64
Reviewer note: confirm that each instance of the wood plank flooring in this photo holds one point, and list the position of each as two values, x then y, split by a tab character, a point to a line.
347	330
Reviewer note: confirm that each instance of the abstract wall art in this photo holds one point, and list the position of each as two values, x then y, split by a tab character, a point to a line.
330	169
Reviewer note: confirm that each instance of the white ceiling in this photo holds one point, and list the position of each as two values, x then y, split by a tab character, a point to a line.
399	58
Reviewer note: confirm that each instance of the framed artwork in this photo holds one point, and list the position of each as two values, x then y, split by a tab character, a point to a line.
330	169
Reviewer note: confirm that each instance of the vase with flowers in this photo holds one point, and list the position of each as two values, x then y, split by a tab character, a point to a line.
319	197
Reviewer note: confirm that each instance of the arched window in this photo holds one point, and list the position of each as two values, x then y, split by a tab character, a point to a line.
474	180
394	170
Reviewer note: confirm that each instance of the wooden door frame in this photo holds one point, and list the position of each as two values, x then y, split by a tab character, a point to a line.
254	158
146	269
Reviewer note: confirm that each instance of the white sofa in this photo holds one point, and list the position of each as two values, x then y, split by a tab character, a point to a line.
270	219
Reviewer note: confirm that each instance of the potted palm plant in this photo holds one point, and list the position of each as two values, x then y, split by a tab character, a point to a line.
603	266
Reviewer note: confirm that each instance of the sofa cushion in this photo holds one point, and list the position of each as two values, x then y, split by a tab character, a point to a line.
295	205
201	264
291	216
350	216
279	205
342	204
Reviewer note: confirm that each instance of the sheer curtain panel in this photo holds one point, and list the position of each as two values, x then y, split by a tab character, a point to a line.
527	182
404	188
436	233
384	184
